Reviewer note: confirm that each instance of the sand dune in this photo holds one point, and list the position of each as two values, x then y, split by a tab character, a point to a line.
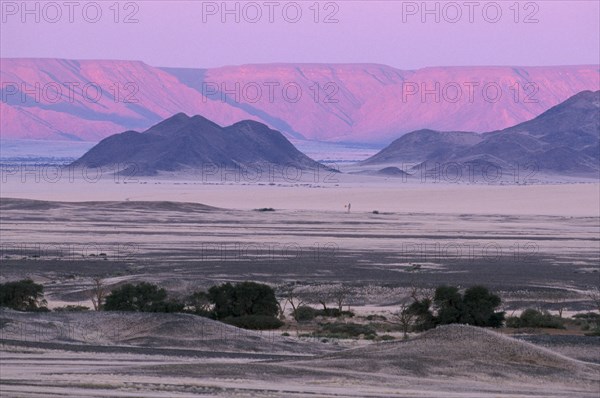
460	350
177	331
451	361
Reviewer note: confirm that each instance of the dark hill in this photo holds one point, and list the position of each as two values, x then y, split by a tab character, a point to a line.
563	140
182	142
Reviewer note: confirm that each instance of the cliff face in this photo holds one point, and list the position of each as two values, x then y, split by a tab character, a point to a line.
90	100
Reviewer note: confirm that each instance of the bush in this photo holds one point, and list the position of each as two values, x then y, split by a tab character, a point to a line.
23	295
198	303
421	309
346	331
304	313
531	318
588	316
334	313
254	322
241	299
476	307
143	297
376	317
479	307
72	308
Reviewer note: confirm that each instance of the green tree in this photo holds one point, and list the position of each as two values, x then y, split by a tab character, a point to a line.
143	297
222	297
241	299
421	309
23	295
199	303
449	304
479	307
304	313
476	307
531	318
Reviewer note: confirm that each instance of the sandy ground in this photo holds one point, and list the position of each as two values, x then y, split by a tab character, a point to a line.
185	246
527	242
454	361
319	192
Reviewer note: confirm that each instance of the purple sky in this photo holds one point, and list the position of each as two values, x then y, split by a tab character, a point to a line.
172	33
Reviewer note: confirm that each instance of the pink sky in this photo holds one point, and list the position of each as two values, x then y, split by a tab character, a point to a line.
173	33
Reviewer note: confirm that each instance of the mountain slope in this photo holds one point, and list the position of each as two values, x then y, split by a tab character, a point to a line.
565	139
181	142
420	145
326	102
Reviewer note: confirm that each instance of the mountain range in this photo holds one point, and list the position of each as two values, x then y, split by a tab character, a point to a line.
565	140
57	99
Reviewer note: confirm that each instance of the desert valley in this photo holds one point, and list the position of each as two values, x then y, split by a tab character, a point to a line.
197	202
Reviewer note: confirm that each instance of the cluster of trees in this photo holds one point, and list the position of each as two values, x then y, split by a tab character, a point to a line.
531	318
247	304
23	295
255	306
477	307
143	297
321	295
305	313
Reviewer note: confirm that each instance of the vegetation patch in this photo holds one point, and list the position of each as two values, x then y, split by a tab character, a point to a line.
531	318
340	330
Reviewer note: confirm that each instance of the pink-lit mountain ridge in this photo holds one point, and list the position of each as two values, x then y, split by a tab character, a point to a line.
44	98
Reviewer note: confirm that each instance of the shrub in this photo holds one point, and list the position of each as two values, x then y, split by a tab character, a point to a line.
334	313
23	295
198	303
246	298
476	307
376	317
588	321
72	308
594	331
254	322
531	318
421	309
346	330
143	297
479	308
449	304
305	313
